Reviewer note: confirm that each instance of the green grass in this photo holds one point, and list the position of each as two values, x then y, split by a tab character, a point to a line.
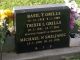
78	2
11	3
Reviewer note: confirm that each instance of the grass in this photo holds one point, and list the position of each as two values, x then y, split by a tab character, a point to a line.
11	3
78	2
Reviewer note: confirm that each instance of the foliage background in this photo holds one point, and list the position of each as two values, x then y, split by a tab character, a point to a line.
11	3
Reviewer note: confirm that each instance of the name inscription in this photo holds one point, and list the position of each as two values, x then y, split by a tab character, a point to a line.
42	30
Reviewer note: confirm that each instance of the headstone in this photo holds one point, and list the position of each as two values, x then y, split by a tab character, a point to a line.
41	27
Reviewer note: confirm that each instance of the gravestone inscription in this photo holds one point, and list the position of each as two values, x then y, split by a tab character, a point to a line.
41	27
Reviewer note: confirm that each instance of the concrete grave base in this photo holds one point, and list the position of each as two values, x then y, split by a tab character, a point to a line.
52	54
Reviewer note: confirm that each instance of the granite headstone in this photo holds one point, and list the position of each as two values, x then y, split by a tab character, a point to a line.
41	27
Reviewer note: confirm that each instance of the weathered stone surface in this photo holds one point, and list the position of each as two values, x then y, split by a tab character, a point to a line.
51	54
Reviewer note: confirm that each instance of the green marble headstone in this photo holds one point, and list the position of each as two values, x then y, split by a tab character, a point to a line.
41	27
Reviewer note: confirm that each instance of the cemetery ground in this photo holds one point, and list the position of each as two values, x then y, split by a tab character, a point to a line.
12	3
